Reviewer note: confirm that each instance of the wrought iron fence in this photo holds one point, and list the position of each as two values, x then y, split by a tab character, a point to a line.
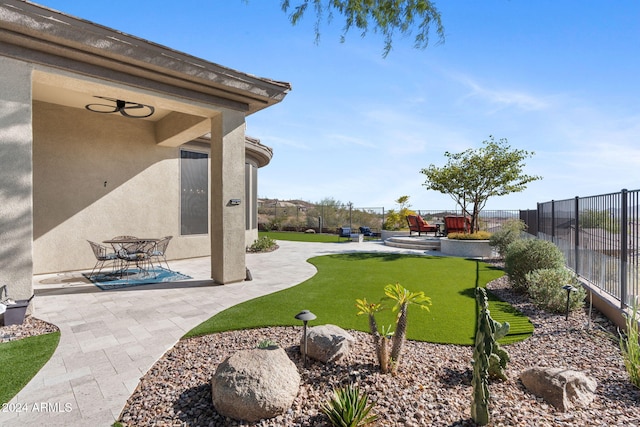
299	216
599	236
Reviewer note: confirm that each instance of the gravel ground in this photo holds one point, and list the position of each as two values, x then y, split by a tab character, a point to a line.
433	387
30	327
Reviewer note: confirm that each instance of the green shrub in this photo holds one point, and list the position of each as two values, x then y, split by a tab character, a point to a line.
267	343
349	408
545	289
630	347
478	235
262	244
510	231
526	255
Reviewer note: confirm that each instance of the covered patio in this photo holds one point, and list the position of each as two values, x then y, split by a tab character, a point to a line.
74	172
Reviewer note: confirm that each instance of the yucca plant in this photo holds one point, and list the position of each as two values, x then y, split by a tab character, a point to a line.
630	347
349	408
403	298
370	309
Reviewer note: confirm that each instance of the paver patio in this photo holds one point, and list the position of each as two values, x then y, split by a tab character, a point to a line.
109	339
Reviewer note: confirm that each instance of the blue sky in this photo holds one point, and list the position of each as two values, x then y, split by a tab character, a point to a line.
560	78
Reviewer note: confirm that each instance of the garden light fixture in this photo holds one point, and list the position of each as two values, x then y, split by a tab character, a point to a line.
305	316
569	289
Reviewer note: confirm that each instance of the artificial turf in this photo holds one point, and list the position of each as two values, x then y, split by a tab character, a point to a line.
20	360
331	295
304	237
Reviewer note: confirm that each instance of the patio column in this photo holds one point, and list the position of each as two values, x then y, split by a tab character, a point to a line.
227	198
16	179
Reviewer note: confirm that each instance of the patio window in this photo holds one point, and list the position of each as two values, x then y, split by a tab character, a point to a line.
251	196
194	192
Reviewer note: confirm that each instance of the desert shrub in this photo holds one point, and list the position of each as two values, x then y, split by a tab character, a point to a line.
262	244
478	235
397	219
510	232
630	347
524	256
545	289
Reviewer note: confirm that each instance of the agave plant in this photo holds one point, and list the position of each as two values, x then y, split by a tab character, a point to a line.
349	408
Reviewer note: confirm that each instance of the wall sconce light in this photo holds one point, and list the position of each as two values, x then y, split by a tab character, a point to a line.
569	289
133	110
234	202
305	316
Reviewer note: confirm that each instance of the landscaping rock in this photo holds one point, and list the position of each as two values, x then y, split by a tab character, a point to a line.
561	387
327	343
255	384
310	231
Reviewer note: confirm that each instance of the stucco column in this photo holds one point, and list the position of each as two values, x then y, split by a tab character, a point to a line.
16	182
227	198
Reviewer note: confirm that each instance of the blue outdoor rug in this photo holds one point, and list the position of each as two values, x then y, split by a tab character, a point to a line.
134	277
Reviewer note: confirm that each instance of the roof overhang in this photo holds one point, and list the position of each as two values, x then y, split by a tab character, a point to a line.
44	36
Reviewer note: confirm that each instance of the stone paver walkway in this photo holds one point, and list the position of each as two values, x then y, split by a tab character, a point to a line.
109	339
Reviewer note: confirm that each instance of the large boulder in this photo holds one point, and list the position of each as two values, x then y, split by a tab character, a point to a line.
327	343
560	387
255	384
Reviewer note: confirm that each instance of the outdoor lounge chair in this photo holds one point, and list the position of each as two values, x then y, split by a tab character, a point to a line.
344	232
457	224
416	223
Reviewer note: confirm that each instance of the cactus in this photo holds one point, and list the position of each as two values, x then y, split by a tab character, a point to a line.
489	360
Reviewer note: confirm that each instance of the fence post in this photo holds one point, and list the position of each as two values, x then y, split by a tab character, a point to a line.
624	238
553	221
538	216
577	237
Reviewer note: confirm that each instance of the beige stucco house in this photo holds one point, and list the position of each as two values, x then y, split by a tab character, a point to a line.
72	172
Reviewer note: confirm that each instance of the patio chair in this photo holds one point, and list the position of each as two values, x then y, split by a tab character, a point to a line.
457	224
416	223
159	251
103	256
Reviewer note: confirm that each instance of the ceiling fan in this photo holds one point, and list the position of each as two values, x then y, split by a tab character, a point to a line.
133	110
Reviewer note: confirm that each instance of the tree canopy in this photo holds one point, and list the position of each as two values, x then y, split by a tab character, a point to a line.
388	17
473	176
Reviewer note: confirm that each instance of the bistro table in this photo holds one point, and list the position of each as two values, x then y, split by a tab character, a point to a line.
130	249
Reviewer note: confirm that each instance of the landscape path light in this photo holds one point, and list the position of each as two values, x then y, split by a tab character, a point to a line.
305	316
569	289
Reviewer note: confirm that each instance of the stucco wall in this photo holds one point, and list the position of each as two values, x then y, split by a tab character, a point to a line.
15	178
97	176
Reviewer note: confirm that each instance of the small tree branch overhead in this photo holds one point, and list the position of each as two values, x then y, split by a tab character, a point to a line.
388	17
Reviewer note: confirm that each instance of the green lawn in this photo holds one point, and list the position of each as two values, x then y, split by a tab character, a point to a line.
20	360
302	237
332	292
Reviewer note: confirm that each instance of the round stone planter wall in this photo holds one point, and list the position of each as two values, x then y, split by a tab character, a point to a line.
385	234
466	248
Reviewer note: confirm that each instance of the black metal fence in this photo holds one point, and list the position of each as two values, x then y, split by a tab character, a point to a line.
599	236
328	218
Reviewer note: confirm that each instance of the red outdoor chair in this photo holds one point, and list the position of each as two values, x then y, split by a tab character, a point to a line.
416	223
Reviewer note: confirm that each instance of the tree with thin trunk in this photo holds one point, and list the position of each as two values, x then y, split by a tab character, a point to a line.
473	176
